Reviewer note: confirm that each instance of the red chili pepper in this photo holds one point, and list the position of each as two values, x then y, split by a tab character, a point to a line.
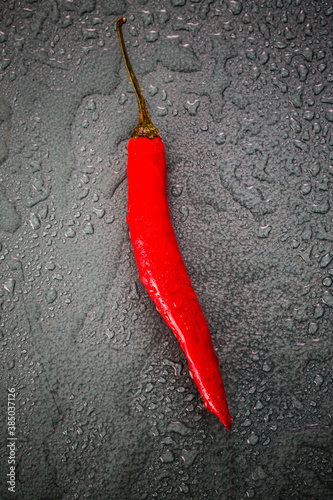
161	267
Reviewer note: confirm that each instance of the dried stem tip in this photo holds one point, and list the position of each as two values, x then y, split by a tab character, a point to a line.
144	128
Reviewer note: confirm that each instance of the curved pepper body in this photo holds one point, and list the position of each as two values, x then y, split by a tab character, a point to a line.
163	272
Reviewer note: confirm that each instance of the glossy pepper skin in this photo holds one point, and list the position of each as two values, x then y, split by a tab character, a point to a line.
161	267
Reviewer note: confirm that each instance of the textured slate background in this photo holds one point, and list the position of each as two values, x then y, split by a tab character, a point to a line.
242	95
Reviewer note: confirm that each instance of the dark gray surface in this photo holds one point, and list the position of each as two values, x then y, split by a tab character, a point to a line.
242	95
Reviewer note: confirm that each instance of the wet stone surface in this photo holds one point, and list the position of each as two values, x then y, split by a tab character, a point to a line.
242	93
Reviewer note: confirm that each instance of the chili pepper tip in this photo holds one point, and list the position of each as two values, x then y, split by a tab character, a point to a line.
226	421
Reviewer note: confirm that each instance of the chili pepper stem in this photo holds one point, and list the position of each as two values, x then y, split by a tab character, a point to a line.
145	127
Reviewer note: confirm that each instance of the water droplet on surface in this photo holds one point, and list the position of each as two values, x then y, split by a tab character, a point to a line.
122	99
327	281
176	191
83	193
264	57
58	277
70	233
327	298
89	169
43	211
184	488
167	457
255	72
50	295
179	428
220	139
161	111
264	231
253	439
9	285
235	7
34	221
259	405
88	228
100	212
184	211
147	18
306	255
308	115
318	88
153	90
189	456
109	220
91	105
152	36
306	188
318	380
318	311
295	125
313	328
3	37
149	387
322	208
259	474
325	260
192	107
10	364
329	115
